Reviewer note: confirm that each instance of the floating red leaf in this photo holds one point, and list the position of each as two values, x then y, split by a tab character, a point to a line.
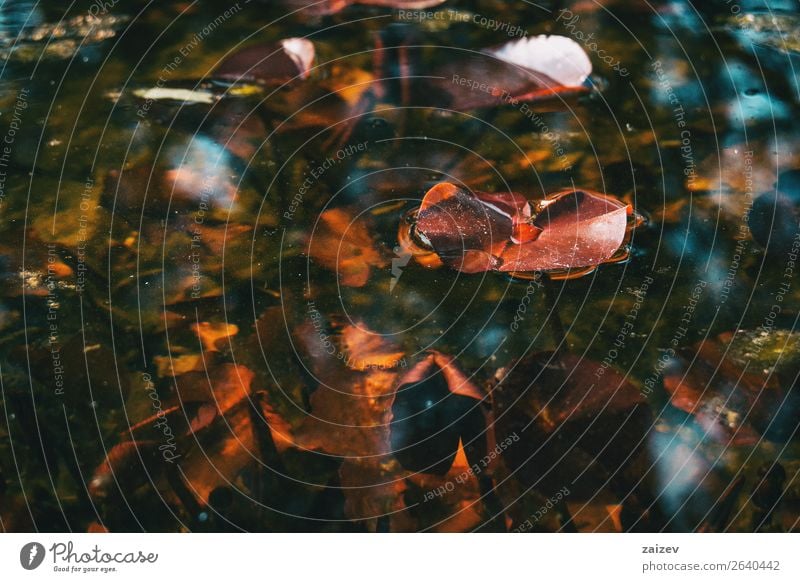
476	232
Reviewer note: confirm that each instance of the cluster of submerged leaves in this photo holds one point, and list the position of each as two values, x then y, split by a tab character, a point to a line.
307	420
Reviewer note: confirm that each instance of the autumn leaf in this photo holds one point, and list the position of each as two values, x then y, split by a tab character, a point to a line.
366	349
342	243
211	334
177	365
435	407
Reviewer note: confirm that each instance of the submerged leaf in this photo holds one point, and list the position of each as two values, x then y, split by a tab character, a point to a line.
733	402
575	426
366	349
435	407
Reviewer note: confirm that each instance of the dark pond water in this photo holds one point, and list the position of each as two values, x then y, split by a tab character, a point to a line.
206	311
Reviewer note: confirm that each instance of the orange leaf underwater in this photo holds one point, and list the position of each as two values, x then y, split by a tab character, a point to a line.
476	231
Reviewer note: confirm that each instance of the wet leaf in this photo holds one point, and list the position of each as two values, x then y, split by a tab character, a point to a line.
774	219
350	414
366	349
435	407
177	365
733	401
475	232
578	229
216	410
530	69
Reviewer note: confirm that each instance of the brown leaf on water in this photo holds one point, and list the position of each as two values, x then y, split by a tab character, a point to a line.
733	405
466	231
577	422
212	334
343	243
578	229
